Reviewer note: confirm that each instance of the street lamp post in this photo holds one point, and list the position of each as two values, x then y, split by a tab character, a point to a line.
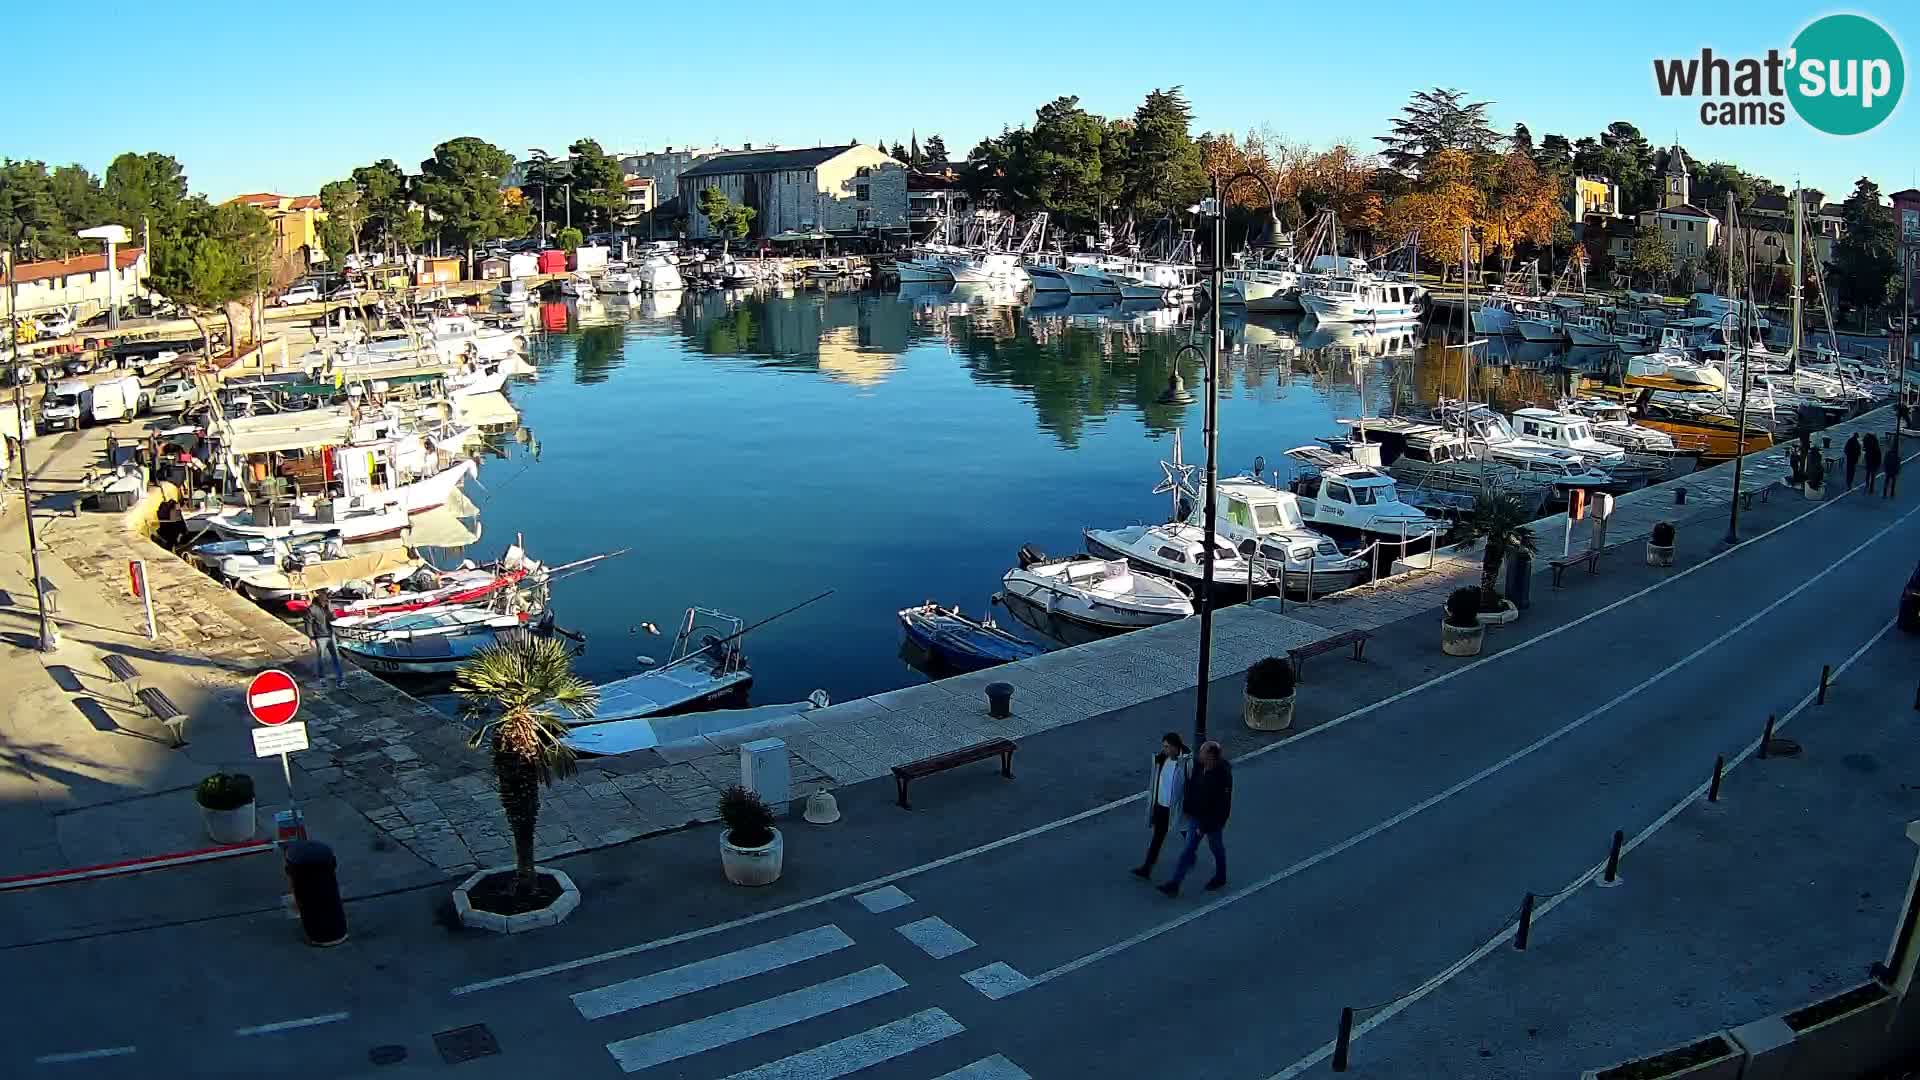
20	427
1216	282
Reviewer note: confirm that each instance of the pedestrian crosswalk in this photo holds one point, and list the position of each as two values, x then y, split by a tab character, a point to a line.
910	1025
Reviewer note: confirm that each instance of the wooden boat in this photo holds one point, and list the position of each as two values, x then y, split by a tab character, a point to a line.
960	643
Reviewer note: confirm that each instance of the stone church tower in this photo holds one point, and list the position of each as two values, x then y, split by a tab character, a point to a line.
1679	185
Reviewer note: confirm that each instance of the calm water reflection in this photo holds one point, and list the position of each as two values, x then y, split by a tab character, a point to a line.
754	450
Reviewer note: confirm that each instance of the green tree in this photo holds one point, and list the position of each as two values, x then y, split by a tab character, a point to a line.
1865	268
386	202
1160	165
1651	255
346	217
1058	166
410	231
899	154
520	694
569	239
936	150
217	257
1433	121
1713	183
148	189
597	182
29	219
728	219
460	184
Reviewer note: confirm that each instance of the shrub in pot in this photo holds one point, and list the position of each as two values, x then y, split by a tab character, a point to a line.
1460	631
1660	545
1816	478
751	851
226	807
1269	700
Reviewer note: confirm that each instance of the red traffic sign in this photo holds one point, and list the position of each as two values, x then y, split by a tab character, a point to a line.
137	578
273	697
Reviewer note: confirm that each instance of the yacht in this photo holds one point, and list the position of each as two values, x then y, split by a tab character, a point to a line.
1177	551
1361	298
1249	510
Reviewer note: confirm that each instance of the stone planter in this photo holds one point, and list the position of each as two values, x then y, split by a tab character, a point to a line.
1658	555
752	865
1814	494
1698	1060
235	826
1851	1041
1461	640
1268	714
553	914
1505	615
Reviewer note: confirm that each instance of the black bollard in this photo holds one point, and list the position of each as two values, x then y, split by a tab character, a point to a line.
1679	496
1613	858
1916	699
1826	676
1766	738
1341	1043
1525	928
316	892
1713	789
999	700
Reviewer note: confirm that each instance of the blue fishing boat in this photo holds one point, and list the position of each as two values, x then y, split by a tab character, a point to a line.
959	643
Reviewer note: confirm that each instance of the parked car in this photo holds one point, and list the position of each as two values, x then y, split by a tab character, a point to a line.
302	293
346	292
53	324
60	408
174	396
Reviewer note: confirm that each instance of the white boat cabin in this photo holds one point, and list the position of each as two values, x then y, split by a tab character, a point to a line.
1567	431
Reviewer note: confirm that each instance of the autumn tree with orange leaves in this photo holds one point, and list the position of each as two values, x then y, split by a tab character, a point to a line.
1523	206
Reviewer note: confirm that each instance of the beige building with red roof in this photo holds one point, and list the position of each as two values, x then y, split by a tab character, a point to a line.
81	284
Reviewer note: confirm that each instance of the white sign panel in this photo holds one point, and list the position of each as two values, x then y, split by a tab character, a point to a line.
283	739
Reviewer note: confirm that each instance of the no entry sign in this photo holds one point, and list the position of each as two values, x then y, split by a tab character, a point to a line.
273	697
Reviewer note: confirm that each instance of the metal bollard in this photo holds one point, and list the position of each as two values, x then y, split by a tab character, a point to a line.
316	892
1766	738
1679	496
1826	676
1916	699
1342	1043
1612	876
999	700
1719	766
1525	928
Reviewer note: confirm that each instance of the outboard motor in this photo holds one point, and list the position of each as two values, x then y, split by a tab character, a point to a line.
1031	556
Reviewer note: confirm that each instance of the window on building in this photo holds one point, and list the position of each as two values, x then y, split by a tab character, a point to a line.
863	215
1689	226
862	192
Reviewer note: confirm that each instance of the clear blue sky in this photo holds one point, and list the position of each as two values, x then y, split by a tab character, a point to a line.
262	97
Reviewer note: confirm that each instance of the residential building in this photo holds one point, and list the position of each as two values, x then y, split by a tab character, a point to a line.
849	190
1690	230
640	195
1592	201
295	221
1768	226
1906	214
81	284
935	198
664	167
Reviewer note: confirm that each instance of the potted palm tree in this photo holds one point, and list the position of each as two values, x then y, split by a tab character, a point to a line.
1815	472
1269	700
751	851
516	695
1501	520
1460	631
1660	545
227	807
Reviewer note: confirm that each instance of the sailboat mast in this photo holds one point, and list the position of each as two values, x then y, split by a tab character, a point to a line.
1466	329
1799	211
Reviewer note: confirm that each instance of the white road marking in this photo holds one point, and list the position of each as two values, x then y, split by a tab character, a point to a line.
83	1055
747	1021
290	1025
1095	811
1505	936
1431	801
856	1052
996	1067
997	980
707	974
273	697
936	937
883	899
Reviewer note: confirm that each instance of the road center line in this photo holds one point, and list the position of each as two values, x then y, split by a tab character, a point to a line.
1095	811
291	1025
1434	800
83	1055
1505	935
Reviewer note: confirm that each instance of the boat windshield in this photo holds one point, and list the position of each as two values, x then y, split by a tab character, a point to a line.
1276	515
1366	496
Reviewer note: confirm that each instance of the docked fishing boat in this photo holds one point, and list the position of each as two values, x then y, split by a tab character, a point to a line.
706	667
303	518
1250	511
828	270
1085	275
931	263
612	737
1103	595
1342	498
1177	551
431	642
985	268
1361	297
959	644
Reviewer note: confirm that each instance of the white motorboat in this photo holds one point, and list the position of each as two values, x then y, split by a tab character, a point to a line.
659	274
1167	282
617	282
1177	551
1092	276
1340	497
1249	509
289	521
1490	436
928	263
985	267
578	285
1105	595
611	737
1588	331
1263	285
706	667
455	337
1668	368
432	642
1438	469
1361	297
375	569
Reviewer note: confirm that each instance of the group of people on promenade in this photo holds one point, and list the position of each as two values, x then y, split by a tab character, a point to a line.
1200	797
1878	463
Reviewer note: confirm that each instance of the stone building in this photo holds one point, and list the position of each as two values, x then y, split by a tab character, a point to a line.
848	190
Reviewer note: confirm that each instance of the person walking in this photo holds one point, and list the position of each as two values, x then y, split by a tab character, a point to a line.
1208	804
1166	786
1891	466
319	626
1870	451
1852	453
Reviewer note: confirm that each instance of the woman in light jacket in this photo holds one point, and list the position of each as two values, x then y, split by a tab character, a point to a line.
1166	790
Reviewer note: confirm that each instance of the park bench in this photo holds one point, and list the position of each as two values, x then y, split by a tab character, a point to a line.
1355	638
927	766
121	671
162	708
1764	493
1591	557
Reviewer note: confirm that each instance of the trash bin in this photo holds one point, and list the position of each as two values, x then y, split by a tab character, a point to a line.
999	700
316	892
1519	579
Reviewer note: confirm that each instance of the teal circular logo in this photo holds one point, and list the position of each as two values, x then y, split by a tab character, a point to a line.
1847	74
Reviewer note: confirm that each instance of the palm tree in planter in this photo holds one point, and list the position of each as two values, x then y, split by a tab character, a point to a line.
751	850
1502	521
521	690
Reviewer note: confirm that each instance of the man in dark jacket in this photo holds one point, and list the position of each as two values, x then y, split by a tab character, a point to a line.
1852	453
1209	802
1891	467
1872	462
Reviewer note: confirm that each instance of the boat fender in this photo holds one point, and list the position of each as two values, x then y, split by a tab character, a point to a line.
1031	556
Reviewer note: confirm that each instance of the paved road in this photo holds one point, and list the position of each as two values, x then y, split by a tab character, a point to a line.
1368	854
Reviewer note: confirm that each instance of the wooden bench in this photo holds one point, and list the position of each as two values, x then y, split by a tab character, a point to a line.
1591	557
162	708
1355	638
927	766
121	670
1765	494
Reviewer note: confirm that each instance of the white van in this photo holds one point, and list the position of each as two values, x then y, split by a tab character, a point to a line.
60	408
113	399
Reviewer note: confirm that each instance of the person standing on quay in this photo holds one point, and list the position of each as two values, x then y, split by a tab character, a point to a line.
1892	468
319	620
1208	804
1871	452
1852	453
1166	786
